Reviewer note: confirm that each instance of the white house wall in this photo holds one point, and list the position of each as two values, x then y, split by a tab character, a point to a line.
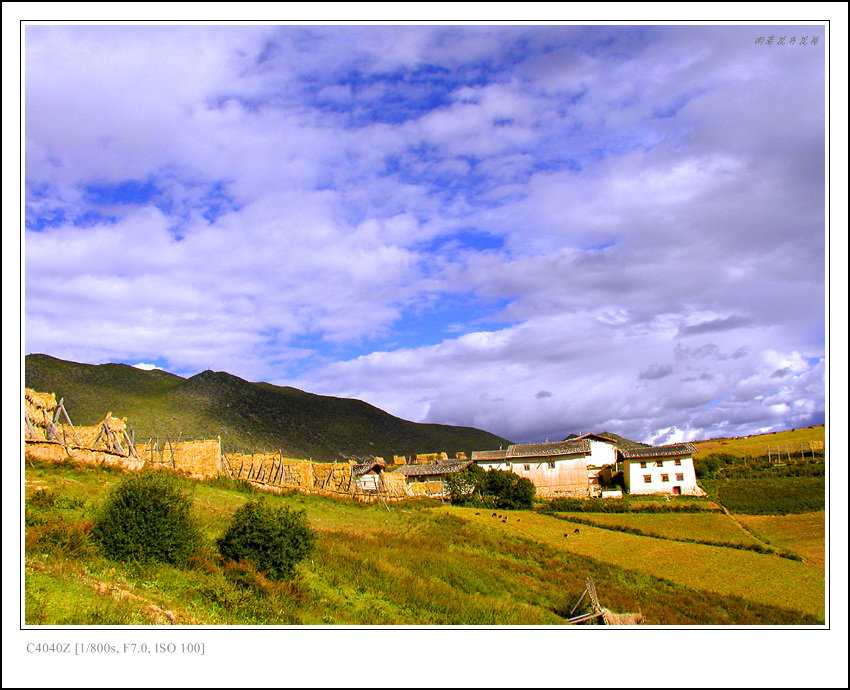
556	475
602	453
637	484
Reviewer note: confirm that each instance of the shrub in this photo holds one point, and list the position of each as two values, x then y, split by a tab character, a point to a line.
466	486
492	489
147	519
273	539
509	490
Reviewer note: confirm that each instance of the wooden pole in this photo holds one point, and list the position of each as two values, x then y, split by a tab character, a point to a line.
68	419
580	599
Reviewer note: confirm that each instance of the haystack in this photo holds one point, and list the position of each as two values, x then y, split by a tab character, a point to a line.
40	408
46	401
40	412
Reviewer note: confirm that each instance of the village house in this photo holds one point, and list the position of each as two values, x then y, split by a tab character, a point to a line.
560	468
573	467
660	470
367	475
429	480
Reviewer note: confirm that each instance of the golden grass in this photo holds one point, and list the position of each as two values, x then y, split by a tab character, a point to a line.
758	445
753	576
702	526
802	533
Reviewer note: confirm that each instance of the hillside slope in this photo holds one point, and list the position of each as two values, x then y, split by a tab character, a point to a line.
791	441
250	416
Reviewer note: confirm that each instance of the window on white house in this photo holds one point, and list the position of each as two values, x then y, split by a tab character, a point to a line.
647	479
677	462
551	464
526	467
659	463
665	477
680	477
643	465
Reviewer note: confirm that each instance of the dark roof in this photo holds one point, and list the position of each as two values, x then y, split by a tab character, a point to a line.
530	450
658	451
367	467
434	468
488	454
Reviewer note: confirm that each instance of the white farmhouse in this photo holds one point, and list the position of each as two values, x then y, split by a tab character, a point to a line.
561	468
660	470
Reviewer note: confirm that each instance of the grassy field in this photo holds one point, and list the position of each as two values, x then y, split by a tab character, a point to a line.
769	495
802	533
756	577
414	563
758	445
716	527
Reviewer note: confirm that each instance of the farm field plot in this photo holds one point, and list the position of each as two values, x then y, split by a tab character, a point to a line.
756	577
803	533
703	526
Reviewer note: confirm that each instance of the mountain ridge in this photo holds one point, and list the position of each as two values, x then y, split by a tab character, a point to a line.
246	415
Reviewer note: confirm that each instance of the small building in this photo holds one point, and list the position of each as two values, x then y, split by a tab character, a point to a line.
367	475
429	480
660	470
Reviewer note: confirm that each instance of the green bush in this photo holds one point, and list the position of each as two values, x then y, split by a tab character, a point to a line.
492	489
509	490
147	519
273	539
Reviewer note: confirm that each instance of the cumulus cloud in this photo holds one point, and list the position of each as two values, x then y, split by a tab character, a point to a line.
533	230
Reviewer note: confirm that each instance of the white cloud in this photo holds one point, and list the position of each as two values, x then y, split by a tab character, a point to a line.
662	267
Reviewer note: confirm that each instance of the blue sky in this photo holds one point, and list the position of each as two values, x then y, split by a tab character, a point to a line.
536	230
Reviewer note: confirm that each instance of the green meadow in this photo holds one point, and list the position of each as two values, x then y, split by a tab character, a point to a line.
408	563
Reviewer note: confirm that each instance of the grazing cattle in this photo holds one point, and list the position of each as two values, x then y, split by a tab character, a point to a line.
576	530
566	535
478	513
494	515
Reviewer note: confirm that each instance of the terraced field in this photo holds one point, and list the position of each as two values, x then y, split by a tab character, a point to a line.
756	577
716	527
803	533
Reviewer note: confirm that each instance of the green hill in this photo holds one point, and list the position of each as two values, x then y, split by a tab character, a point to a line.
247	416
